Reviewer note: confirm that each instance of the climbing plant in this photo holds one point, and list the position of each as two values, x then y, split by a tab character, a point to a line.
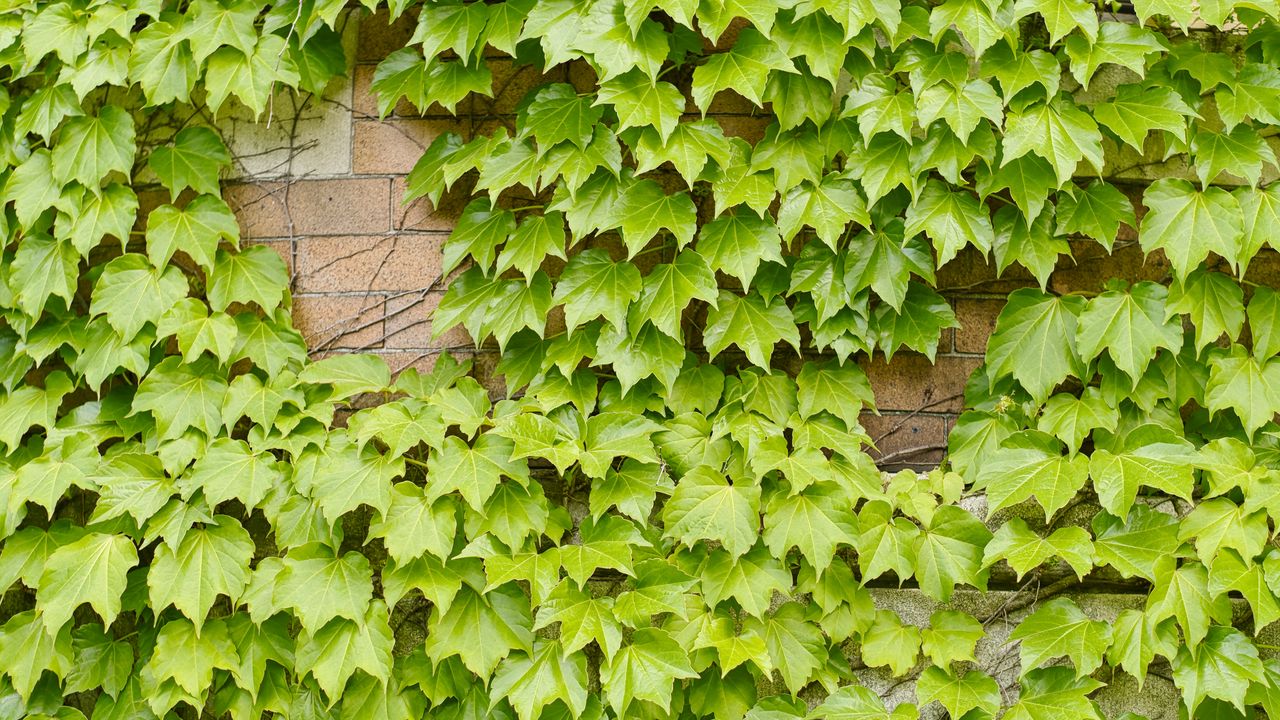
672	512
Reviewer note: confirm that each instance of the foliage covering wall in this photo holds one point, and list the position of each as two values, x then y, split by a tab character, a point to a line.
658	521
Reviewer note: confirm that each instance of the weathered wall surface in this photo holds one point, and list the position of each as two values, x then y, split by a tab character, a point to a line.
323	186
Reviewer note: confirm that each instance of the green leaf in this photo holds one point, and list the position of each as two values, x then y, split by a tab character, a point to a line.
1136	640
536	238
1241	152
90	148
1118	43
1029	464
229	469
320	586
891	643
827	207
1058	628
669	288
530	682
949	552
1054	692
1156	460
1034	340
704	506
132	293
1183	594
211	561
951	637
744	68
751	324
1261	209
1057	131
645	670
188	657
642	102
251	76
962	107
1221	667
557	114
110	211
1220	523
1025	550
182	396
592	286
255	274
645	208
1097	211
89	570
738	242
972	690
750	579
1136	545
1188	223
161	62
1130	326
332	653
1071	419
952	220
348	374
195	230
815	521
1264	323
1137	110
1239	382
193	161
475	471
42	268
1214	302
885	542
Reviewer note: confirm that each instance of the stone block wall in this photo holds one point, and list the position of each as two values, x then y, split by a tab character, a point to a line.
323	184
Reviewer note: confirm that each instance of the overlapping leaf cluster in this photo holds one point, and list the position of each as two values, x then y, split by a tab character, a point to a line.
197	519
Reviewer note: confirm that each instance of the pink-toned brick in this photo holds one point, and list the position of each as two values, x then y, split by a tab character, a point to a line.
392	147
906	439
911	383
420	214
367	263
339	321
977	318
312	207
409	324
380	36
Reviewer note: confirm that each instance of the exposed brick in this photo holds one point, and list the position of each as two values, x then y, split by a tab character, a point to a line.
749	128
339	321
971	271
364	104
409	324
1093	267
977	320
911	383
315	207
364	263
511	82
420	214
260	209
907	439
379	36
392	147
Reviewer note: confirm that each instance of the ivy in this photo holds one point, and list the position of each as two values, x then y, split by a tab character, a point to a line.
669	513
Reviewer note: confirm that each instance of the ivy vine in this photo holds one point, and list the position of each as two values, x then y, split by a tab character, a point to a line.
666	516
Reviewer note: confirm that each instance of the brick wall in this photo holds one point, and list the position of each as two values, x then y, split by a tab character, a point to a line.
323	186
